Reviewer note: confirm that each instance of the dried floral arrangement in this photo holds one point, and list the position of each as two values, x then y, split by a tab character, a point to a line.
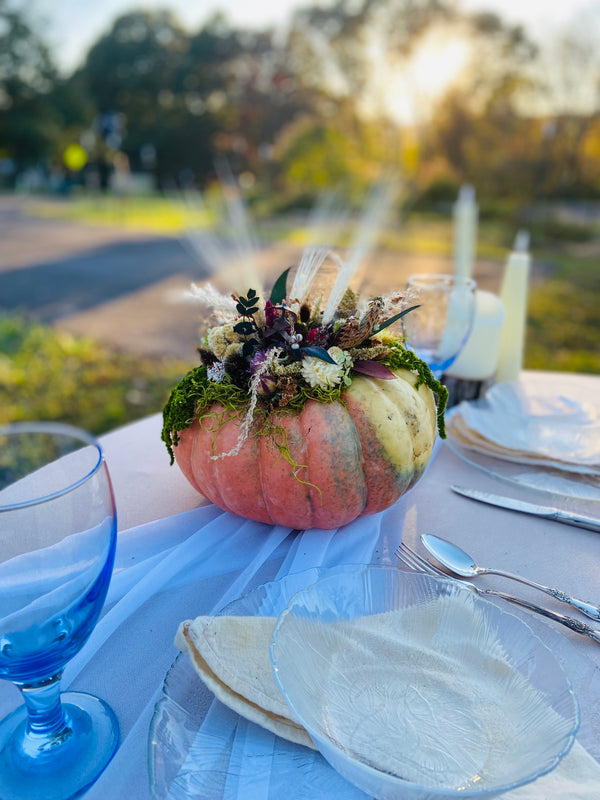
276	354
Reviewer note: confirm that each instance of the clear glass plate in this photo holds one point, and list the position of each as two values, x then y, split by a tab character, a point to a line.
200	749
536	406
574	492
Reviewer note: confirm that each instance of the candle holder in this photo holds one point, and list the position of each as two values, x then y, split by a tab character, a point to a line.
460	389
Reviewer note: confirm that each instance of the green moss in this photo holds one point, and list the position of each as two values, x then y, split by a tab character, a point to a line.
399	358
194	395
321	394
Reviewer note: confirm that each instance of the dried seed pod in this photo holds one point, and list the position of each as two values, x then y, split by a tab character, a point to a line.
288	387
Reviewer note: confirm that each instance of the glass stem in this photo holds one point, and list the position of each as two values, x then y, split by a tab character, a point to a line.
47	725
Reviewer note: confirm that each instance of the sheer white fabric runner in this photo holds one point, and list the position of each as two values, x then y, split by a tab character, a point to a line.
206	558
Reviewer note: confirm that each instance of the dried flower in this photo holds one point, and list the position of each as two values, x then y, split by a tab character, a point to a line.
350	334
348	303
295	340
220	338
220	306
280	350
266	385
287	386
216	372
317	372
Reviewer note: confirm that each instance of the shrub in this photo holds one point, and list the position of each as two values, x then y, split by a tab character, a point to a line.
51	375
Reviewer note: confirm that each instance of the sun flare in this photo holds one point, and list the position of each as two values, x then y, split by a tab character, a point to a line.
407	88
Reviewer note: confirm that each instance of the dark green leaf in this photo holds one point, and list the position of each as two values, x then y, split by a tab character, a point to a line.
318	352
249	347
240	308
250	311
251	294
278	292
393	319
243	328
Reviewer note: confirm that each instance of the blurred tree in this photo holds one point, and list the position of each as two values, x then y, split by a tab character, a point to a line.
190	98
478	126
570	102
246	77
355	49
438	84
28	123
356	86
317	154
132	74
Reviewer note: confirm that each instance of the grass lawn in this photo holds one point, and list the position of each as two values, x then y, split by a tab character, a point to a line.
49	374
563	329
157	214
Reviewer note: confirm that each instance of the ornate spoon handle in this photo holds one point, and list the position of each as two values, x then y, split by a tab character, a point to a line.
588	609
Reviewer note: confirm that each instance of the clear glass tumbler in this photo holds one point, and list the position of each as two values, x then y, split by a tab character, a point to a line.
439	328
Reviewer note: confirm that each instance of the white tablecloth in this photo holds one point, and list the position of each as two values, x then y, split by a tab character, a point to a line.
179	557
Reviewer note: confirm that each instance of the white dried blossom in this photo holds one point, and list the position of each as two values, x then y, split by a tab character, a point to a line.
295	340
220	338
216	372
317	372
222	306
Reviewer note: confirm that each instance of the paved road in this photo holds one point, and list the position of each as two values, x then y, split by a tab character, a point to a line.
126	289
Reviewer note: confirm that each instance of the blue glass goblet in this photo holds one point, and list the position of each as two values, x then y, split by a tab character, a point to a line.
57	549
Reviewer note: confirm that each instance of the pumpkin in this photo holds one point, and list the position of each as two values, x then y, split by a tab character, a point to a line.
321	466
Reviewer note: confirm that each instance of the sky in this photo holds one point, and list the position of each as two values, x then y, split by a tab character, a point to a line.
71	26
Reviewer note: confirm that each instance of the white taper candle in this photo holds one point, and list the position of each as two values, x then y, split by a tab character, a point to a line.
465	216
514	291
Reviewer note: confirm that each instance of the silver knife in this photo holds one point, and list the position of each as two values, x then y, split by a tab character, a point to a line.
548	512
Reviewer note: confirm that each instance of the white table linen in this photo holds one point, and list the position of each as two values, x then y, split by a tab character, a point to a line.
179	557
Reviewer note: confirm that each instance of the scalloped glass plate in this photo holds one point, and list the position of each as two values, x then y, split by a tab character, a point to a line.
421	688
198	749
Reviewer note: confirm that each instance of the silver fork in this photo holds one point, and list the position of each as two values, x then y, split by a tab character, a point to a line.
417	563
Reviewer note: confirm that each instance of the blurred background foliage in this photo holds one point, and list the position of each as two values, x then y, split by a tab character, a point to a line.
441	95
347	92
49	374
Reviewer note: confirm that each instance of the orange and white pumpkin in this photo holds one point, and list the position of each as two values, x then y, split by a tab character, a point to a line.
320	467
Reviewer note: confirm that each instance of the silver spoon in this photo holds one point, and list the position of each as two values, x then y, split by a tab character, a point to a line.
461	563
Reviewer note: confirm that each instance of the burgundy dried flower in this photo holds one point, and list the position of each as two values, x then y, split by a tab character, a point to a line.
318	337
271	313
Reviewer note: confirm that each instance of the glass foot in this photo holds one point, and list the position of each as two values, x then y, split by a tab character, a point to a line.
39	768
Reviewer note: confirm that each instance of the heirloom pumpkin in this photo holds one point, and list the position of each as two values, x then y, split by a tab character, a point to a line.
321	466
304	417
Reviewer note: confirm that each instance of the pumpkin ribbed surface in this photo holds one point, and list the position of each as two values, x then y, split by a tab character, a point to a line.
320	467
